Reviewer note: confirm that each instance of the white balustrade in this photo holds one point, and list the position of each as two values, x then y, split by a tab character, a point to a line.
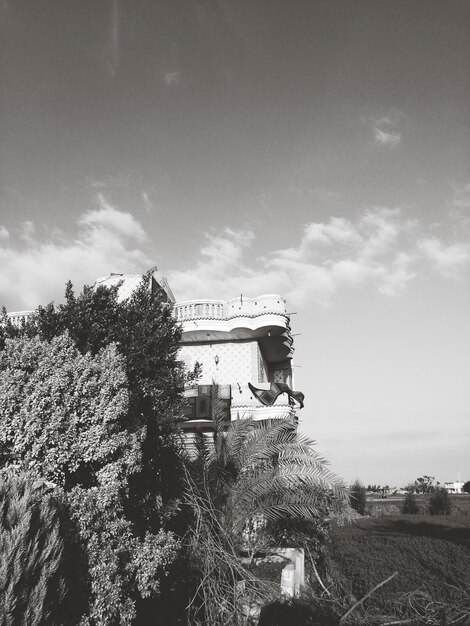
238	307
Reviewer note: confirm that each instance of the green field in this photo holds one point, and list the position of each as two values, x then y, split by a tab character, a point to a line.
392	505
430	553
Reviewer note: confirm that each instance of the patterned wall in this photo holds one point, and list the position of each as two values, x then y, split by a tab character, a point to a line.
237	362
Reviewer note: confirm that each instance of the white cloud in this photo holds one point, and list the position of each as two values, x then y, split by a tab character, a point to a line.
33	269
399	274
380	250
106	219
385	129
384	138
4	234
448	260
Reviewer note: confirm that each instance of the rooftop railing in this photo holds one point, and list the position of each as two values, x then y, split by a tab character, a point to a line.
227	309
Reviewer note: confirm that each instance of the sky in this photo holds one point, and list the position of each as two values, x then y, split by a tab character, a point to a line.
315	149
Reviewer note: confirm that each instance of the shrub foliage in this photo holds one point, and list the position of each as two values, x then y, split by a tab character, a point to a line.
89	400
410	505
439	503
357	495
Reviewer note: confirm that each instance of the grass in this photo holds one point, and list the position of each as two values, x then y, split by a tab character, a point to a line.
430	553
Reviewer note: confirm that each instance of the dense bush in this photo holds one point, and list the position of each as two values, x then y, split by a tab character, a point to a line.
410	505
439	503
357	494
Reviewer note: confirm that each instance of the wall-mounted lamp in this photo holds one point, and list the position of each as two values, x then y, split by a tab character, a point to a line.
216	359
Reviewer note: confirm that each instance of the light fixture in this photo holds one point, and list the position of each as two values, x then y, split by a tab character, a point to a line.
216	359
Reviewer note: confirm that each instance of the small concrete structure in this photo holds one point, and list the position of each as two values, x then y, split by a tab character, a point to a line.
293	574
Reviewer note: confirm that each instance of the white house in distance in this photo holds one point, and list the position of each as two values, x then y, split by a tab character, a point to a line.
455	487
243	345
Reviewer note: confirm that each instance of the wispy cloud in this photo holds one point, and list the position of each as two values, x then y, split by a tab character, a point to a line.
449	260
385	129
386	138
148	204
172	78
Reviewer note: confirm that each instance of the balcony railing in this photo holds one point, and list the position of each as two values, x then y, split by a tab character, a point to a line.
227	309
210	309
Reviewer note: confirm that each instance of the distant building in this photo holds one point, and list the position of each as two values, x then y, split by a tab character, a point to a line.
244	347
455	487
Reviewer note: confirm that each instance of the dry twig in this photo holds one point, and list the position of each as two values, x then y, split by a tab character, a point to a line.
368	594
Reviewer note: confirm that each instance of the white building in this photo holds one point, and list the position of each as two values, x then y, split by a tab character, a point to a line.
245	347
455	487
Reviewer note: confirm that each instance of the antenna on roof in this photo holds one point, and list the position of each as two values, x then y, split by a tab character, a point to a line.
241	298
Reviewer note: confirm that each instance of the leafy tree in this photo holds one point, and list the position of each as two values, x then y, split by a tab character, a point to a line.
357	494
64	417
38	580
63	414
439	503
96	412
466	487
410	506
147	336
424	484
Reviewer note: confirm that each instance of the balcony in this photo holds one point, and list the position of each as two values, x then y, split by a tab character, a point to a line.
240	318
